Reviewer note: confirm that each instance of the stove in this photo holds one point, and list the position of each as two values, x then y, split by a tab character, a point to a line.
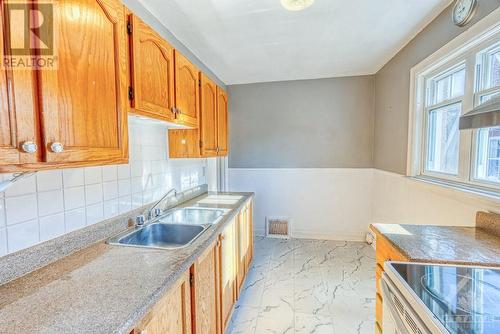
445	298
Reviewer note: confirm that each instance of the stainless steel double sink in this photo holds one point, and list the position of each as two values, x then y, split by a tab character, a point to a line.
175	229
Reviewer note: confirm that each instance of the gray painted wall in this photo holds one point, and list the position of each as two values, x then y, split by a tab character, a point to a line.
392	87
137	8
302	124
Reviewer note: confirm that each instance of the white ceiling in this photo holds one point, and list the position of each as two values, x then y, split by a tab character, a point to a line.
244	41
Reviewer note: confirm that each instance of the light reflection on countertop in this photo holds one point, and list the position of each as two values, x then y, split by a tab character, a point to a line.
220	200
442	244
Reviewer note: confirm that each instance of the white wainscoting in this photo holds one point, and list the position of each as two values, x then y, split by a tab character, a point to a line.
323	203
401	200
338	203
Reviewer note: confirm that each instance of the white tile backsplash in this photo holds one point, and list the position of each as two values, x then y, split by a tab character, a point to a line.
123	172
110	190
124	204
24	186
124	187
109	173
95	213
73	177
75	219
93	175
49	180
51	203
20	209
23	235
3	241
2	212
111	208
93	193
74	198
52	226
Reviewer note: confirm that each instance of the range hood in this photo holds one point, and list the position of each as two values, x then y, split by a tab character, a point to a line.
485	115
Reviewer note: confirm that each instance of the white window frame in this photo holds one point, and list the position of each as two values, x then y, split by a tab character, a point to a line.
461	50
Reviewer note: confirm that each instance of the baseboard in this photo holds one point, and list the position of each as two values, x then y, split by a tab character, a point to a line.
319	236
327	236
259	232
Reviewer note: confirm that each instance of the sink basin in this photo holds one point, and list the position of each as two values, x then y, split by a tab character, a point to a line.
158	235
197	216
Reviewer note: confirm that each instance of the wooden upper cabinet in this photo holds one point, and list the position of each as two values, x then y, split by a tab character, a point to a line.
84	101
222	122
19	135
184	143
186	91
152	71
208	121
210	139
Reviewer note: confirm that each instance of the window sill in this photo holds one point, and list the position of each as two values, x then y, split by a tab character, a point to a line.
490	196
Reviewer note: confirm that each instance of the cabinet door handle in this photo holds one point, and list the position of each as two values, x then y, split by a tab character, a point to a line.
29	147
57	147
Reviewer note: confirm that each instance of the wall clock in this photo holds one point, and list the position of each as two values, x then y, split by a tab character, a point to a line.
463	11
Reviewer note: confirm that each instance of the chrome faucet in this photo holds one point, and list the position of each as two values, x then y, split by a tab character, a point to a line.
155	211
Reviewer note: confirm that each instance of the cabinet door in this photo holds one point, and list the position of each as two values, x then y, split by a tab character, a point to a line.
18	114
186	91
228	271
184	143
208	120
84	101
241	246
152	67
249	226
205	293
222	123
172	314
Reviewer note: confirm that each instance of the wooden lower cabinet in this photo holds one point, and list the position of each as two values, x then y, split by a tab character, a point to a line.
205	295
228	263
245	248
172	314
202	301
384	252
249	257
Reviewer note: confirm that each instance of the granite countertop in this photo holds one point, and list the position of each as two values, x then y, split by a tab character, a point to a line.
443	244
104	288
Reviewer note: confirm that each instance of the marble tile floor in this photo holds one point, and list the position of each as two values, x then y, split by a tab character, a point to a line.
307	286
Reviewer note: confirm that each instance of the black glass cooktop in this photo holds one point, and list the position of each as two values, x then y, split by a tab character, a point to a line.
466	300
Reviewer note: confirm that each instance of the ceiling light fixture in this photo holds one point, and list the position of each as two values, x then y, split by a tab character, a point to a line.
296	5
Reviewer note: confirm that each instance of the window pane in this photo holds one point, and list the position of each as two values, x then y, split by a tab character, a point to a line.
488	155
447	86
488	61
458	84
488	97
443	139
494	70
443	89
